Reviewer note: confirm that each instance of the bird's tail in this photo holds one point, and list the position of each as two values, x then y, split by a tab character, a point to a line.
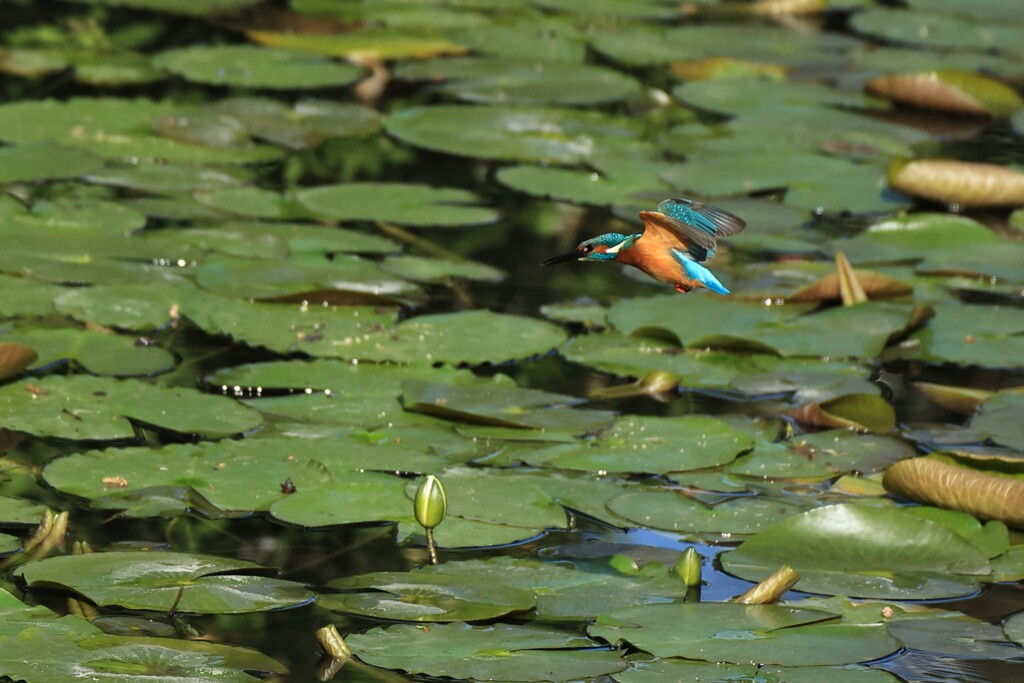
696	271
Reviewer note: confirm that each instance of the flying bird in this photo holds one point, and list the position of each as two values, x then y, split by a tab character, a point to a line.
676	239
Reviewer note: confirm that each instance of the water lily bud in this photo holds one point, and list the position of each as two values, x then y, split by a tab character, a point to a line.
688	568
333	643
431	503
657	382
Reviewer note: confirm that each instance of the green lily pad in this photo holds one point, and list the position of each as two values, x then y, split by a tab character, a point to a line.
851	331
500	651
935	30
1014	628
97	353
863	551
674	511
250	66
198	8
509	134
999	418
368	43
20	512
619	184
745	97
963	639
658	445
84	407
563	592
673	670
69	647
64	121
232	476
153	581
356	498
989	336
417	205
170	178
440	271
911	237
723	632
87	218
44	161
501	404
426	597
822	454
483	80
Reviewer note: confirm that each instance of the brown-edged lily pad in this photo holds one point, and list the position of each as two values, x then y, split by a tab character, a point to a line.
947	482
958	182
953	90
853	411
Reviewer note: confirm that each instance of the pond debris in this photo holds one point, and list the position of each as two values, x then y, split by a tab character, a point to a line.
771	589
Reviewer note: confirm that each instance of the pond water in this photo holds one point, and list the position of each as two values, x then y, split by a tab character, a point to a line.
267	265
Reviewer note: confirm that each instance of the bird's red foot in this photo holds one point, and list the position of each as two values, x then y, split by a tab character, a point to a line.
683	289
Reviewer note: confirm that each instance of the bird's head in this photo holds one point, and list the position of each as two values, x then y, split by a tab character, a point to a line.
606	247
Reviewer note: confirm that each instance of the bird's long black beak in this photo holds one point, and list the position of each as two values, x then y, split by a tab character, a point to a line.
562	258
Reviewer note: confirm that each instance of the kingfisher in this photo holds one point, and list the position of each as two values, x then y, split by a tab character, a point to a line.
677	237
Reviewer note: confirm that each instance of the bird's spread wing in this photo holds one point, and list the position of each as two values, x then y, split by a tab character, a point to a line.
692	225
710	219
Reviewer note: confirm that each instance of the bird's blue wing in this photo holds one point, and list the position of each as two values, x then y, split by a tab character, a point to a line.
698	225
696	271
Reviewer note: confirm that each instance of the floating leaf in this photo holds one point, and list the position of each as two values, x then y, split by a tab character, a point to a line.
97	353
361	45
15	357
673	670
497	403
355	498
943	481
958	182
935	30
440	271
999	419
499	651
723	632
425	597
675	511
197	8
44	161
964	92
407	204
169	178
853	411
153	581
502	81
519	134
66	121
657	445
865	552
821	455
84	407
989	336
250	66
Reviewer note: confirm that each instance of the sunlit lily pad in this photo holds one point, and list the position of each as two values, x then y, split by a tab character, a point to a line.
674	511
372	44
84	407
673	670
959	182
500	81
355	498
418	205
949	90
822	454
766	634
152	581
1000	419
249	66
65	121
649	444
941	480
963	639
989	336
520	134
500	651
97	353
167	178
865	552
420	596
499	403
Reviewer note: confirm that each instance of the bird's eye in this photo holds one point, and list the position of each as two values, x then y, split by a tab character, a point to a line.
587	248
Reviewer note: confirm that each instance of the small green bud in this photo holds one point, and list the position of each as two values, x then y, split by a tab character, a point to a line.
431	503
687	567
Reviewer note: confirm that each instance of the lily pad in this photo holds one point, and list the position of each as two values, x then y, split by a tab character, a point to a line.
500	651
508	134
723	632
250	66
675	511
497	403
64	121
97	353
673	670
416	205
369	43
198	8
989	336
355	498
44	161
958	182
93	408
822	454
999	419
440	271
657	445
425	597
935	30
69	647
863	551
963	92
153	581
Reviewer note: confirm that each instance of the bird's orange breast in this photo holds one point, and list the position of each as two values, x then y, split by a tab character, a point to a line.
654	259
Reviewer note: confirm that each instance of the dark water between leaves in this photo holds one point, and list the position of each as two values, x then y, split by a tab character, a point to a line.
530	228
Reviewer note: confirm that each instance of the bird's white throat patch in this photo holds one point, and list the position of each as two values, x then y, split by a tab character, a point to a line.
618	247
